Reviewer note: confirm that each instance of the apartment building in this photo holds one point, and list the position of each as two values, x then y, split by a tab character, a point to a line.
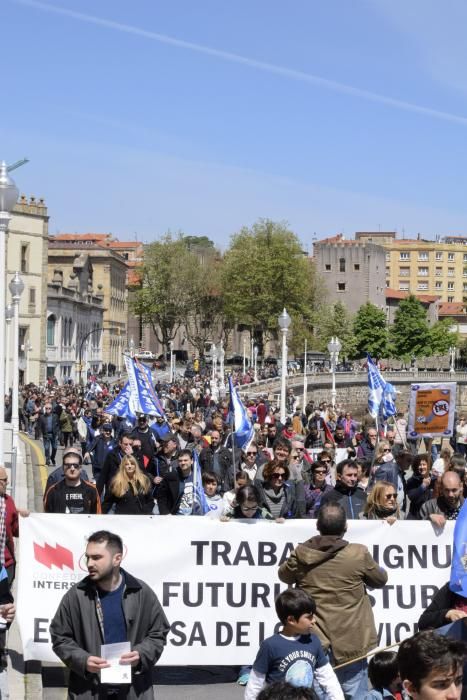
424	267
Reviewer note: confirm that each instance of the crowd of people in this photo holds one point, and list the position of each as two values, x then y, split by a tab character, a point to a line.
317	460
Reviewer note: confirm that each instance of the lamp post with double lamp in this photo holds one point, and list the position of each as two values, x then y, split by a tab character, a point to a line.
8	198
9	312
16	287
334	348
255	355
452	356
284	323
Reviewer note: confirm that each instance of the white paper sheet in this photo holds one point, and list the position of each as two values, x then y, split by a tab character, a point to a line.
116	673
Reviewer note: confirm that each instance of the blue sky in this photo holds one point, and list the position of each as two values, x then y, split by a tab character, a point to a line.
335	116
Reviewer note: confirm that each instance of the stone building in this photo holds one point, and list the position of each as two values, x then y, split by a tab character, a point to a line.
353	272
109	277
26	253
75	316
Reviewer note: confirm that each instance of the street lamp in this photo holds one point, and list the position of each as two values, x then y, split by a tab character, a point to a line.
255	355
8	198
9	313
452	354
171	370
221	360
16	287
305	380
284	323
334	348
244	356
214	362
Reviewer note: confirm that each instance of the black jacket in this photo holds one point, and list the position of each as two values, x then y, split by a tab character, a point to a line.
109	469
130	503
170	492
293	505
352	500
225	471
43	424
418	494
435	614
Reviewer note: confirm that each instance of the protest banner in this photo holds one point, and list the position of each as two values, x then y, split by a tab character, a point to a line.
431	410
217	581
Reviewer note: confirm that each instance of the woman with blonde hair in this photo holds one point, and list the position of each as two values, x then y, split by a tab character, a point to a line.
382	503
130	491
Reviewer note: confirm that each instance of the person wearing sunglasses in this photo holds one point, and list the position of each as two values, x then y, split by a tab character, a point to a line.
382	504
72	494
280	496
249	461
316	490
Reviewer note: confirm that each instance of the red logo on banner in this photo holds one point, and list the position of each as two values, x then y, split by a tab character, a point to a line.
53	556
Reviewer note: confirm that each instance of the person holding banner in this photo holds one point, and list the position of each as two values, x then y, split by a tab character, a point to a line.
108	607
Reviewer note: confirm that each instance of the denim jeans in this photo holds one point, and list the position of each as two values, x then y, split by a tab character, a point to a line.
50	447
354	679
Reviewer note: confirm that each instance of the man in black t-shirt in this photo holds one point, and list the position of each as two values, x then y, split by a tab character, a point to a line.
72	494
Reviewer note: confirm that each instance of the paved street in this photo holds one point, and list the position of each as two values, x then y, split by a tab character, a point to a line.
194	683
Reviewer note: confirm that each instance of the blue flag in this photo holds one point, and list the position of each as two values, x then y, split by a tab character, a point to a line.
142	391
381	394
121	405
200	502
458	580
243	431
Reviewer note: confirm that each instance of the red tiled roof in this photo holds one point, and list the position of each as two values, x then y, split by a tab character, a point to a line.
82	236
453	308
399	294
123	244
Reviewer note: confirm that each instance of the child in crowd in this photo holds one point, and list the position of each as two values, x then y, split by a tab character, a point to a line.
294	655
215	501
383	673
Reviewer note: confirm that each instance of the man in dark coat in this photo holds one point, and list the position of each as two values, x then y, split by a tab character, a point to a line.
218	459
112	461
108	606
175	492
49	428
346	491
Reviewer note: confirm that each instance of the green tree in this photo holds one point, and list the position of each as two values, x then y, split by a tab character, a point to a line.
410	333
442	338
164	297
370	331
197	242
264	271
335	321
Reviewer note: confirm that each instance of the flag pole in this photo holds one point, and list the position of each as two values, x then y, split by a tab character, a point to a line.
232	433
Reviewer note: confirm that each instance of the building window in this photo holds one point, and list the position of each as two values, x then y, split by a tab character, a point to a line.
32	299
465	257
438	271
423	272
404	272
439	256
451	257
450	299
422	286
450	272
464	287
356	267
403	286
23	262
388	256
327	268
423	255
341	264
341	286
438	285
404	256
450	286
51	330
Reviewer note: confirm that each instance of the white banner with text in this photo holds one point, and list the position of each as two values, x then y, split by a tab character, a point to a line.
217	581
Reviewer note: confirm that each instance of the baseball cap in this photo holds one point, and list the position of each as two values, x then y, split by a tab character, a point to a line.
168	436
107	427
73	451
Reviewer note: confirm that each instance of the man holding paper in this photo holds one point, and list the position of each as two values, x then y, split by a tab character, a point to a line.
110	628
